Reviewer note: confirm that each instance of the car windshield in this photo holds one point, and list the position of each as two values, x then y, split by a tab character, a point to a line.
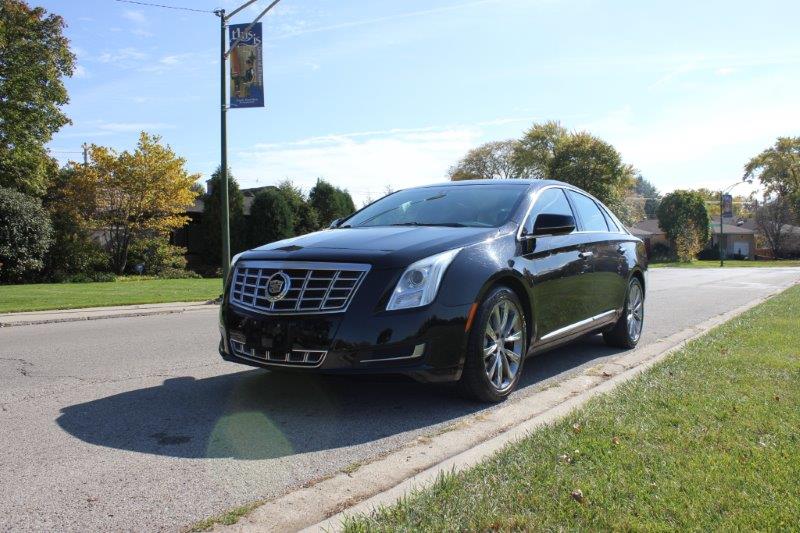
477	206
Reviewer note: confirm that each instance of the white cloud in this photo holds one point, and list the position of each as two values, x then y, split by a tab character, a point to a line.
80	72
121	55
136	17
707	143
365	163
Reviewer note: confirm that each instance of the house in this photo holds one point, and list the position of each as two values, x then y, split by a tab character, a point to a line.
738	237
652	235
737	240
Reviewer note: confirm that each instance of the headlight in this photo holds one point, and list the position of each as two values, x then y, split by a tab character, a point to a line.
420	282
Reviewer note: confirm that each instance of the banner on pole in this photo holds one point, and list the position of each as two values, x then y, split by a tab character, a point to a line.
727	206
246	66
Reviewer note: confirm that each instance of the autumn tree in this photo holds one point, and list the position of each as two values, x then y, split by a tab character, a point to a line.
493	160
130	194
34	57
683	218
550	151
778	169
773	219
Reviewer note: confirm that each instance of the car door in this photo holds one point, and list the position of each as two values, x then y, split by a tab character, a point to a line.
602	247
556	269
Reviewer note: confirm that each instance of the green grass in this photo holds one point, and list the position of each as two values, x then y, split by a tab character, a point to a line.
706	440
728	263
127	291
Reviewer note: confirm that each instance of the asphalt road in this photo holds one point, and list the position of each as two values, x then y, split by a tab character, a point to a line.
136	424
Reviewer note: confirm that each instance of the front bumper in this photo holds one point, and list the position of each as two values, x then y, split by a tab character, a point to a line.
425	343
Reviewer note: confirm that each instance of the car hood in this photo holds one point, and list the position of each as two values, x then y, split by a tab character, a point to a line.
384	246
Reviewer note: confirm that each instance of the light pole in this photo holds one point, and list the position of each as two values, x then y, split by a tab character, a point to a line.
722	194
223	124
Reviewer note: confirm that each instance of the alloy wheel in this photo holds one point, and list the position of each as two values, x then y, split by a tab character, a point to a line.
635	311
503	344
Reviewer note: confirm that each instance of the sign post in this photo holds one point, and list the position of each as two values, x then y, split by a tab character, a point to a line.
247	90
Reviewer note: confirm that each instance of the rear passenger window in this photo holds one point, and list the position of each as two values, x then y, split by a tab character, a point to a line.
550	201
590	214
612	226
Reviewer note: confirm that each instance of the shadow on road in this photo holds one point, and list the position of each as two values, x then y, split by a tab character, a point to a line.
258	414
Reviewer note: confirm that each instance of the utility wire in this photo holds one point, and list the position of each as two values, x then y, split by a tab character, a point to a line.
179	8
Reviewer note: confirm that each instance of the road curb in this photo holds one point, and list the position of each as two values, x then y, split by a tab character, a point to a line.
323	505
34	318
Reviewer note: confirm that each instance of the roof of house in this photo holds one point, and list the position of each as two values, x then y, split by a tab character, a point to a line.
639	232
650	226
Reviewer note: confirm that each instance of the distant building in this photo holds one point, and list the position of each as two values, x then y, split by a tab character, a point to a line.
738	240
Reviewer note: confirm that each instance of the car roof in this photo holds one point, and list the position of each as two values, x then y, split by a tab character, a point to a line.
532	183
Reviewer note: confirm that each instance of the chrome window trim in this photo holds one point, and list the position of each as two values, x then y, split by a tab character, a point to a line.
299	265
576	325
566	186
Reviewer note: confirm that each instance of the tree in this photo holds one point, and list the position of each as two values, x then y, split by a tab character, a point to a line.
211	223
330	202
493	160
778	169
35	56
25	234
646	190
536	149
73	250
304	217
270	218
548	151
683	218
129	194
772	219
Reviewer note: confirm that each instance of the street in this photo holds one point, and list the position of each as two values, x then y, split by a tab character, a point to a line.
136	423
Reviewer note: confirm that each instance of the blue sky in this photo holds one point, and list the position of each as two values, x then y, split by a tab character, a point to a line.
377	94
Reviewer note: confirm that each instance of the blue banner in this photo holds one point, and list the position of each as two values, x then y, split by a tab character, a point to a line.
246	66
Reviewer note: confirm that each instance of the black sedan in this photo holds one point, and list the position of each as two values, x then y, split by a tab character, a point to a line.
452	282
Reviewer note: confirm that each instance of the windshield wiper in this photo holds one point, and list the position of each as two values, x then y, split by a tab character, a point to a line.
444	224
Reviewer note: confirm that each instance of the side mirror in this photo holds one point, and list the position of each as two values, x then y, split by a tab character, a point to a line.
551	224
335	223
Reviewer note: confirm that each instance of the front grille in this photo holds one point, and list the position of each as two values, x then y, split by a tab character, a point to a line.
312	287
308	358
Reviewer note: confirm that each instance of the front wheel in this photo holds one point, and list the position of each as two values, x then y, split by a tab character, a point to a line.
628	329
496	348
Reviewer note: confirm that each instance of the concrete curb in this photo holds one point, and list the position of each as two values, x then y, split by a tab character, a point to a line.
323	505
99	313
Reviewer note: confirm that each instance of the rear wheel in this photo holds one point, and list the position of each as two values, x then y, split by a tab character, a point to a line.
628	329
496	348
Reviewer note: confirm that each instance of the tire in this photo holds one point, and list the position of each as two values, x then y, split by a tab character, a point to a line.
628	329
489	375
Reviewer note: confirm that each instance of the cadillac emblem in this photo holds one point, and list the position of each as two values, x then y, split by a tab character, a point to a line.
278	284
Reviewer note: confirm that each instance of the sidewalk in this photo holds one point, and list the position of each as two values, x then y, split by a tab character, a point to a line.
97	313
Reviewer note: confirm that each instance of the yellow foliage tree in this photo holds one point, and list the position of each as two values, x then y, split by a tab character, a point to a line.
128	194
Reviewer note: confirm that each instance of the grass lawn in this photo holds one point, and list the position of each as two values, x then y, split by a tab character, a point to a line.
728	263
40	297
707	440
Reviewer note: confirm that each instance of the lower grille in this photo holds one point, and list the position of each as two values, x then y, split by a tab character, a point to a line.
294	287
300	358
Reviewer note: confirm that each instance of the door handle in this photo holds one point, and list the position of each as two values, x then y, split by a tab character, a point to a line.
621	249
586	255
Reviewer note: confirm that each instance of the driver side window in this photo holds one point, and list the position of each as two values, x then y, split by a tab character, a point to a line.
550	201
